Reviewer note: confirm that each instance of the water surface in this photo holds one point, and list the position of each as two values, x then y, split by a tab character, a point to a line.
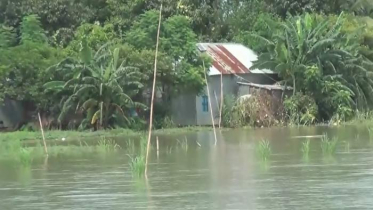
228	176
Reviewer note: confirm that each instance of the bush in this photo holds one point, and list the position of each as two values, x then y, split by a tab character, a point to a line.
259	109
300	109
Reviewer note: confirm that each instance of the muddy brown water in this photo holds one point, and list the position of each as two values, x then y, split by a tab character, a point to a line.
228	176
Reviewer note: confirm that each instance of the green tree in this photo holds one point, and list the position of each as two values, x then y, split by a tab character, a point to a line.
178	45
22	71
8	36
298	7
31	30
95	35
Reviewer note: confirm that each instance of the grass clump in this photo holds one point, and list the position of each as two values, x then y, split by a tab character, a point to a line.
130	146
306	147
137	165
328	146
263	150
107	145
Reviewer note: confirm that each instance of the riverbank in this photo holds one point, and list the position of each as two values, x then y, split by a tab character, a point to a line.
79	135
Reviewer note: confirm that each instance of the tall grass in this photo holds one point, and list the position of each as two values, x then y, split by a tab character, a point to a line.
137	165
130	146
107	145
306	147
328	146
263	150
143	145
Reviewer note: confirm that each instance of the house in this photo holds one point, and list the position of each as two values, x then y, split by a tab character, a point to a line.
233	63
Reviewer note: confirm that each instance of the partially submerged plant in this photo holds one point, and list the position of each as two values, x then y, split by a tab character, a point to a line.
130	146
328	146
107	145
263	150
306	147
143	144
137	165
25	156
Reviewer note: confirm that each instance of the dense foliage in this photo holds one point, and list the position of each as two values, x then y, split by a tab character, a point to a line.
95	58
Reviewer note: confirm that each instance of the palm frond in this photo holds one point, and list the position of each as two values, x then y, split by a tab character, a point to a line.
120	110
89	103
54	85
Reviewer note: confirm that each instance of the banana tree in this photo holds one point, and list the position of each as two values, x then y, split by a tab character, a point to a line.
310	52
101	87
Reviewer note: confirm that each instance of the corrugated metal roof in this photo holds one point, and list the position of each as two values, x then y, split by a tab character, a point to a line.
230	58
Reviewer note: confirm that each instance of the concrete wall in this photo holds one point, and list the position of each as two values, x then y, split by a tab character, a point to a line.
183	109
11	113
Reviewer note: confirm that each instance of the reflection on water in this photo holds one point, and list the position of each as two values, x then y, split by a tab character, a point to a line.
201	176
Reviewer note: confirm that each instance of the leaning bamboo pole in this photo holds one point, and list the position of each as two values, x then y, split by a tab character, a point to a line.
209	99
221	99
153	93
42	134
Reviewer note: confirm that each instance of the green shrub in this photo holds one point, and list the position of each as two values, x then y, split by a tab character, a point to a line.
300	109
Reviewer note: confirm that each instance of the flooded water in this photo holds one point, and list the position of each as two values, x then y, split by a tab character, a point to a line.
228	176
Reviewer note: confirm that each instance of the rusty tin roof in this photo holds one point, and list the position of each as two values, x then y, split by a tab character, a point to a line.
231	58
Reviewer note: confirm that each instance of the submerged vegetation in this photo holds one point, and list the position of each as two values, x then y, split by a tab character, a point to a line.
306	148
107	145
137	165
263	150
328	146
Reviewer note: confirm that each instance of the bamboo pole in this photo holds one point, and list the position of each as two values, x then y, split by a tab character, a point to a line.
42	133
153	90
209	99
157	147
221	99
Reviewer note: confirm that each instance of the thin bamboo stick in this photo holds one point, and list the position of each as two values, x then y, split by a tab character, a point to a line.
153	90
209	99
42	133
157	147
221	99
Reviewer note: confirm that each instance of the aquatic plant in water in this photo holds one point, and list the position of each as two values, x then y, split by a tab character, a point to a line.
263	150
328	146
143	145
137	165
25	157
306	147
130	146
107	145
